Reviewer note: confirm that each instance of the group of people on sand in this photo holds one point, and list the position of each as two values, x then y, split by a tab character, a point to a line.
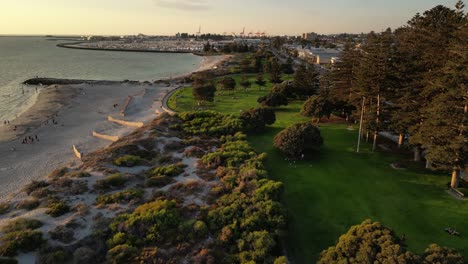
30	139
6	122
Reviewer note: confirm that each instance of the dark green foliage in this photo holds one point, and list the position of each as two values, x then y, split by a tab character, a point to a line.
204	91
260	81
273	99
127	161
298	139
120	197
368	243
274	69
111	181
256	119
306	81
245	83
57	208
227	84
317	106
210	123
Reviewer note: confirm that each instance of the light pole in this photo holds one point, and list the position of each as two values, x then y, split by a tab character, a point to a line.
360	123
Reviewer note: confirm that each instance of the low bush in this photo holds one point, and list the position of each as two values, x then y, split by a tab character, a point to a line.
78	174
4	208
169	171
58	173
62	234
20	241
209	123
53	256
42	193
298	139
111	181
21	224
35	185
120	197
158	181
128	161
57	208
122	254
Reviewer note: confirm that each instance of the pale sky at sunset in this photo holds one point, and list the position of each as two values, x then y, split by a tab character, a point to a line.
122	17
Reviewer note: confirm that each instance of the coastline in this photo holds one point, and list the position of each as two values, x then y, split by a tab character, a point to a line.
79	108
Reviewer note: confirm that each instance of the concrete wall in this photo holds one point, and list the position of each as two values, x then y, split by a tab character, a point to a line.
77	153
127	103
105	137
125	123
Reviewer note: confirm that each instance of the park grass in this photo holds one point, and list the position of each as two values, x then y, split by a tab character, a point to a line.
328	193
232	102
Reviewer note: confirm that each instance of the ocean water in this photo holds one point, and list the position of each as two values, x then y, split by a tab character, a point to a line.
22	58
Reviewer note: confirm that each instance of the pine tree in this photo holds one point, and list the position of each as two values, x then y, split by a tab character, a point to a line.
445	125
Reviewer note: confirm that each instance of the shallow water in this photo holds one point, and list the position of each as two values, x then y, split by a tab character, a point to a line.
22	58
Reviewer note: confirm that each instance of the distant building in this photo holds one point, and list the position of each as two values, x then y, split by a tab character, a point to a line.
310	36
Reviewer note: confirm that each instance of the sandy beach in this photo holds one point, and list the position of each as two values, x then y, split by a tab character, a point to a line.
67	115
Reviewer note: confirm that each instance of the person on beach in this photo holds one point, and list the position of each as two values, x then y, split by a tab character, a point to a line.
37	139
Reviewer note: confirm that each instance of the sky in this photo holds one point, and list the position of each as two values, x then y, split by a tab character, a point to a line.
167	17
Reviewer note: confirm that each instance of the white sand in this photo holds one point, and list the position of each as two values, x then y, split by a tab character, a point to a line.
86	113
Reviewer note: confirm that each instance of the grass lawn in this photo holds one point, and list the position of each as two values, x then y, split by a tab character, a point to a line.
226	102
327	194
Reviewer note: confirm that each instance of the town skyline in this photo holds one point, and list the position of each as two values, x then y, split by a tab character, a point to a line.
167	17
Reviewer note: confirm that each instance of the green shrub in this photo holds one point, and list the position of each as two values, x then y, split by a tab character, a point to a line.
128	161
122	254
58	173
20	241
4	208
78	174
123	196
158	181
111	181
169	171
28	204
35	185
21	224
298	139
150	222
57	208
210	123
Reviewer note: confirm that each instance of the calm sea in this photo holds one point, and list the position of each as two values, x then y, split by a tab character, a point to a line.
22	58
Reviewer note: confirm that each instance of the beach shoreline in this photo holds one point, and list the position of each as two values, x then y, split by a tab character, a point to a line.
66	114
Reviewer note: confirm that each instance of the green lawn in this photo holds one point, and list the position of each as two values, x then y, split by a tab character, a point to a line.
327	194
225	102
